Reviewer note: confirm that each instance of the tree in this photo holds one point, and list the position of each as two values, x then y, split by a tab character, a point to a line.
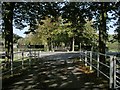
89	35
45	32
100	12
72	13
75	13
117	14
14	13
16	38
18	14
8	19
72	21
102	31
53	33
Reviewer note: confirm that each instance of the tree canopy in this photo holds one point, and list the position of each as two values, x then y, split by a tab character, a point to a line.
55	22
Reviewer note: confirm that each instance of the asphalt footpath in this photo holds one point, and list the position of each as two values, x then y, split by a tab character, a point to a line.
57	71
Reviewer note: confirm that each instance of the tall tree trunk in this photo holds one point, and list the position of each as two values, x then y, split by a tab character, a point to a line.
102	32
8	20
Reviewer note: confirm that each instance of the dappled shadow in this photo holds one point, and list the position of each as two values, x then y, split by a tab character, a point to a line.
57	74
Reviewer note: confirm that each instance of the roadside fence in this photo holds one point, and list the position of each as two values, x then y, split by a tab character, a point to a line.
110	68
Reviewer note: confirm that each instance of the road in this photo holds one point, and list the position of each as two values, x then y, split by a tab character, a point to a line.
51	72
59	55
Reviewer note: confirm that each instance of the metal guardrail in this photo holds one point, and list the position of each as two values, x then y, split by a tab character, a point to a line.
112	66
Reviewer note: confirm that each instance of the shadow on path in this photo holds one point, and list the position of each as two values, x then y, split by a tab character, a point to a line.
55	74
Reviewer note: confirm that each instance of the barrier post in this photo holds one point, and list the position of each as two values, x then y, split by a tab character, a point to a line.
35	54
98	66
30	55
85	58
80	53
80	56
111	72
114	66
91	60
38	54
22	60
11	59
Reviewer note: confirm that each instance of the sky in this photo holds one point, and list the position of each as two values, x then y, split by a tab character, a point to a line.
111	30
20	32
